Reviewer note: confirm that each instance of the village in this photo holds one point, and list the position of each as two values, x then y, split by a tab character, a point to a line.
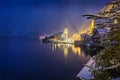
99	37
105	65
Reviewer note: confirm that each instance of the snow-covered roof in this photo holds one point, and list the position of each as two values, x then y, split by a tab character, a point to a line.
101	31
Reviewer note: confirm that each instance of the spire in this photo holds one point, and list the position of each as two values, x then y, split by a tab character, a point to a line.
66	28
66	24
65	33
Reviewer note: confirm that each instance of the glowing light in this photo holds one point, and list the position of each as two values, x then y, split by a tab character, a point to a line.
115	21
65	52
42	37
66	47
91	28
76	37
76	50
65	35
88	30
58	45
54	47
66	31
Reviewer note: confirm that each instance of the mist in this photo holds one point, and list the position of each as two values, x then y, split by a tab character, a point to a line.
32	18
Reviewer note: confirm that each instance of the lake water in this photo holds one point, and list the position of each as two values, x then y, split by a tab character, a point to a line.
30	59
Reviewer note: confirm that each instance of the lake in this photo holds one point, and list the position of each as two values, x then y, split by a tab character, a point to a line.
30	59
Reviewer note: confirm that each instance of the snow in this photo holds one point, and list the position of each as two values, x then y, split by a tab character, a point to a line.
102	31
85	73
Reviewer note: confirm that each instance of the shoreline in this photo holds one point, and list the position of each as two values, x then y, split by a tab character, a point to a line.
84	72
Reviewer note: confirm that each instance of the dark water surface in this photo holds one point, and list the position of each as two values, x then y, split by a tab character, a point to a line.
29	59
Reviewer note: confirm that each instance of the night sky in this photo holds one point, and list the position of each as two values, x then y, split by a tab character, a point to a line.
31	18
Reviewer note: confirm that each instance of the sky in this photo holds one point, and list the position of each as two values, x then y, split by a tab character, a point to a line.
32	18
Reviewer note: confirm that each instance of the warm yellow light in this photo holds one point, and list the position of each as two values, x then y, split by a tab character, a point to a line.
115	21
66	47
65	31
89	29
58	45
76	37
76	50
84	30
65	35
65	52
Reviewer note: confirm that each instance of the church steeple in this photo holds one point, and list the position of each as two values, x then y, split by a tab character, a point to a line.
65	33
66	24
66	28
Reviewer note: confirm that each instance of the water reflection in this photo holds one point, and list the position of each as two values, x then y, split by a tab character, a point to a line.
67	48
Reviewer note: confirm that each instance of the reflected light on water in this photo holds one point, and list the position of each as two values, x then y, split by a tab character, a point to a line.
66	49
76	50
65	52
